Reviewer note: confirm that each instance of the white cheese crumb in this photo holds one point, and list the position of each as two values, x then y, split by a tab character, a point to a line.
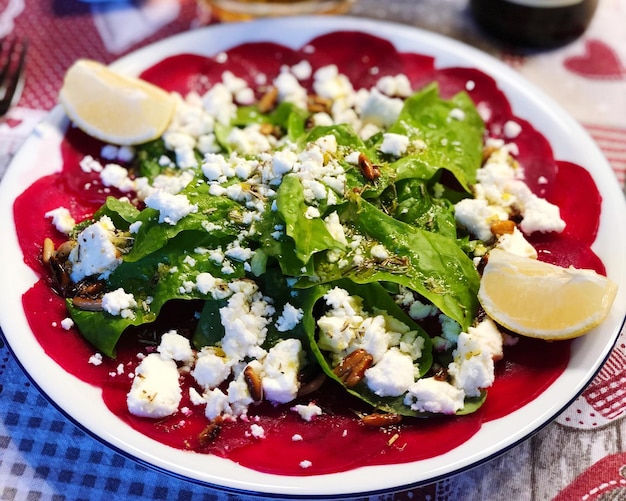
172	208
473	366
457	114
95	359
392	375
89	164
155	391
379	252
114	175
432	395
67	323
61	219
394	144
118	302
257	431
307	412
175	347
516	243
280	371
95	252
289	318
512	129
211	369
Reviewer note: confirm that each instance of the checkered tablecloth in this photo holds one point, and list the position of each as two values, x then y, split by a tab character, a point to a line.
45	456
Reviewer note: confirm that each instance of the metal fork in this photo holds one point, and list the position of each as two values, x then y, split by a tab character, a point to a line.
12	64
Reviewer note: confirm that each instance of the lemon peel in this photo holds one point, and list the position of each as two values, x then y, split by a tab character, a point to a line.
542	300
114	108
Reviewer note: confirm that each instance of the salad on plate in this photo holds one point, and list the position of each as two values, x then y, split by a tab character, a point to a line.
304	250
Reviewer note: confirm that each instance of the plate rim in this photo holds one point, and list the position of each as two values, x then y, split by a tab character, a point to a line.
397	34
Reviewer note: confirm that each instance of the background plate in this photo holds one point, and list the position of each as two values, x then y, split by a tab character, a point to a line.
82	403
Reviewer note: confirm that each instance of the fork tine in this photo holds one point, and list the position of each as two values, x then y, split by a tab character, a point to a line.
12	73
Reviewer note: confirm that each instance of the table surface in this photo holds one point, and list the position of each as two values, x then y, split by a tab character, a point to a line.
581	455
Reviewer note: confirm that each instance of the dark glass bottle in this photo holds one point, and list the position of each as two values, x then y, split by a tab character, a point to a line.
534	23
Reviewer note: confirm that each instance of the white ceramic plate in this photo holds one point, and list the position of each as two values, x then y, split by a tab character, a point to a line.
569	141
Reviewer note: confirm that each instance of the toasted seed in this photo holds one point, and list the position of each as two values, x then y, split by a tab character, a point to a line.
47	251
352	369
89	289
210	432
441	374
318	104
267	129
368	169
254	383
64	249
502	227
87	304
488	151
60	276
312	385
268	100
379	419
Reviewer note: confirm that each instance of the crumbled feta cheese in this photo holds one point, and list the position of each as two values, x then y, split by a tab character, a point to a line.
542	216
95	252
379	252
329	83
216	404
116	176
280	371
245	320
512	129
307	412
211	368
118	302
67	323
419	310
155	391
172	208
89	164
477	215
394	144
61	219
302	70
432	395
95	359
396	85
312	213
500	190
257	431
473	366
457	114
218	103
392	375
175	347
516	243
347	327
195	397
290	90
289	318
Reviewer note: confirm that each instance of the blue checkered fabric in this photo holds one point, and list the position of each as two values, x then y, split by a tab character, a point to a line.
45	456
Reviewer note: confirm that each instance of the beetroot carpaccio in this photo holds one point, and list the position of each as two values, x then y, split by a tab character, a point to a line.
526	370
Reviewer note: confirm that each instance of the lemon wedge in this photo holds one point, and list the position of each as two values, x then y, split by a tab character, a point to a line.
114	108
541	300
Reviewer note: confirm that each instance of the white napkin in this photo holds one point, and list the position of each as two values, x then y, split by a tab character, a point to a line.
123	23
